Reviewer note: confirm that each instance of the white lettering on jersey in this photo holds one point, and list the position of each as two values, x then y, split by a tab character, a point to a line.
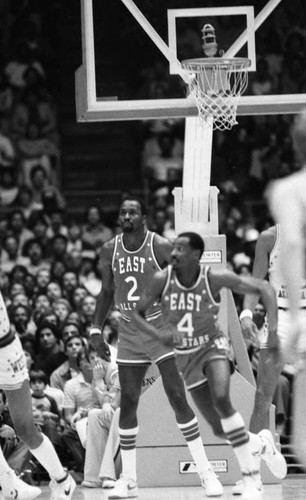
130	264
185	301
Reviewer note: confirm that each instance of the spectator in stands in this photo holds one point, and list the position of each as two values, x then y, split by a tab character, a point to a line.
7	148
79	293
38	223
6	99
87	309
41	304
24	201
69	284
10	256
54	290
89	275
62	308
35	253
74	238
58	267
74	345
262	82
58	248
45	410
18	227
95	232
21	320
50	355
17	66
8	186
38	182
107	387
57	219
43	278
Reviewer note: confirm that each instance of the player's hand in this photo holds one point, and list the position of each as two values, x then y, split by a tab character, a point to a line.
170	336
107	412
7	432
249	330
101	346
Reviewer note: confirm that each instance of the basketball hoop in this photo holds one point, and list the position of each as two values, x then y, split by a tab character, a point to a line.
216	84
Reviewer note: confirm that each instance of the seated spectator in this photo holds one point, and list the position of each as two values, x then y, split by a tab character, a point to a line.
50	356
17	225
74	344
6	98
45	410
95	232
38	223
54	290
69	284
16	453
74	260
57	248
17	66
35	253
41	304
24	201
79	293
74	238
89	276
10	256
57	221
79	399
58	267
43	278
62	308
8	186
106	384
21	320
87	311
35	149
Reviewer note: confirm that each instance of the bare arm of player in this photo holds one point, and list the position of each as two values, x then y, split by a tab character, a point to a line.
162	250
105	300
148	297
263	248
241	284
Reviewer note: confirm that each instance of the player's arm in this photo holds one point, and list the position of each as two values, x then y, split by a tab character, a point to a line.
104	300
151	293
244	284
260	269
162	250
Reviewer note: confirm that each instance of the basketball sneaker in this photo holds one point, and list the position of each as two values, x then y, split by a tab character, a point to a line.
251	491
211	483
124	488
62	490
13	487
270	454
238	487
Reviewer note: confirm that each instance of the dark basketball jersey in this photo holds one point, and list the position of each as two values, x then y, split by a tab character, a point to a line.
192	310
132	272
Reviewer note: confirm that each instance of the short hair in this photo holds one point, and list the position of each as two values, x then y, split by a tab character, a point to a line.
138	200
38	376
196	242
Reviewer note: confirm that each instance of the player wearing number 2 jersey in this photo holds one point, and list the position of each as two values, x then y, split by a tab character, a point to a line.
190	300
128	263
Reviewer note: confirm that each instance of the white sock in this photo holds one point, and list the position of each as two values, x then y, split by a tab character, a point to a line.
4	466
128	452
191	433
234	429
47	457
255	443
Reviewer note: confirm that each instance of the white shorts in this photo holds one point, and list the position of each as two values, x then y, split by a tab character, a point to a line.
13	367
283	327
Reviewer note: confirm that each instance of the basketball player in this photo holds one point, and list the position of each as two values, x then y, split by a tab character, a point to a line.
128	263
270	363
14	380
288	204
189	292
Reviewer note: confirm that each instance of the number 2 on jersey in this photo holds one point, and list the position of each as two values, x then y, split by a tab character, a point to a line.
131	293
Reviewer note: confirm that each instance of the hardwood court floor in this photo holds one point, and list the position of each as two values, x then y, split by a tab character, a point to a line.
292	488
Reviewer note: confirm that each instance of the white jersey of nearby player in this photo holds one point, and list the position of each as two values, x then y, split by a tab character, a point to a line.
275	275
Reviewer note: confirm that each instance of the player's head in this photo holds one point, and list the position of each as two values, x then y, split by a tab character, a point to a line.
188	250
132	214
299	134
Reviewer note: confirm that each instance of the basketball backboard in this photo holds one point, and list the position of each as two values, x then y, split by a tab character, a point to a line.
129	45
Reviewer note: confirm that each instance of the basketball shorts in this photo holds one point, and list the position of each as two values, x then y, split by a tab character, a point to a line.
192	365
140	348
283	327
13	368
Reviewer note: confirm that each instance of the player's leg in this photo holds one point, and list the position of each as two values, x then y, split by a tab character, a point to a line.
299	411
188	425
20	406
270	365
131	378
218	374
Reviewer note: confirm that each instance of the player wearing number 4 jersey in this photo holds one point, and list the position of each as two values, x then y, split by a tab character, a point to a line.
189	292
128	263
